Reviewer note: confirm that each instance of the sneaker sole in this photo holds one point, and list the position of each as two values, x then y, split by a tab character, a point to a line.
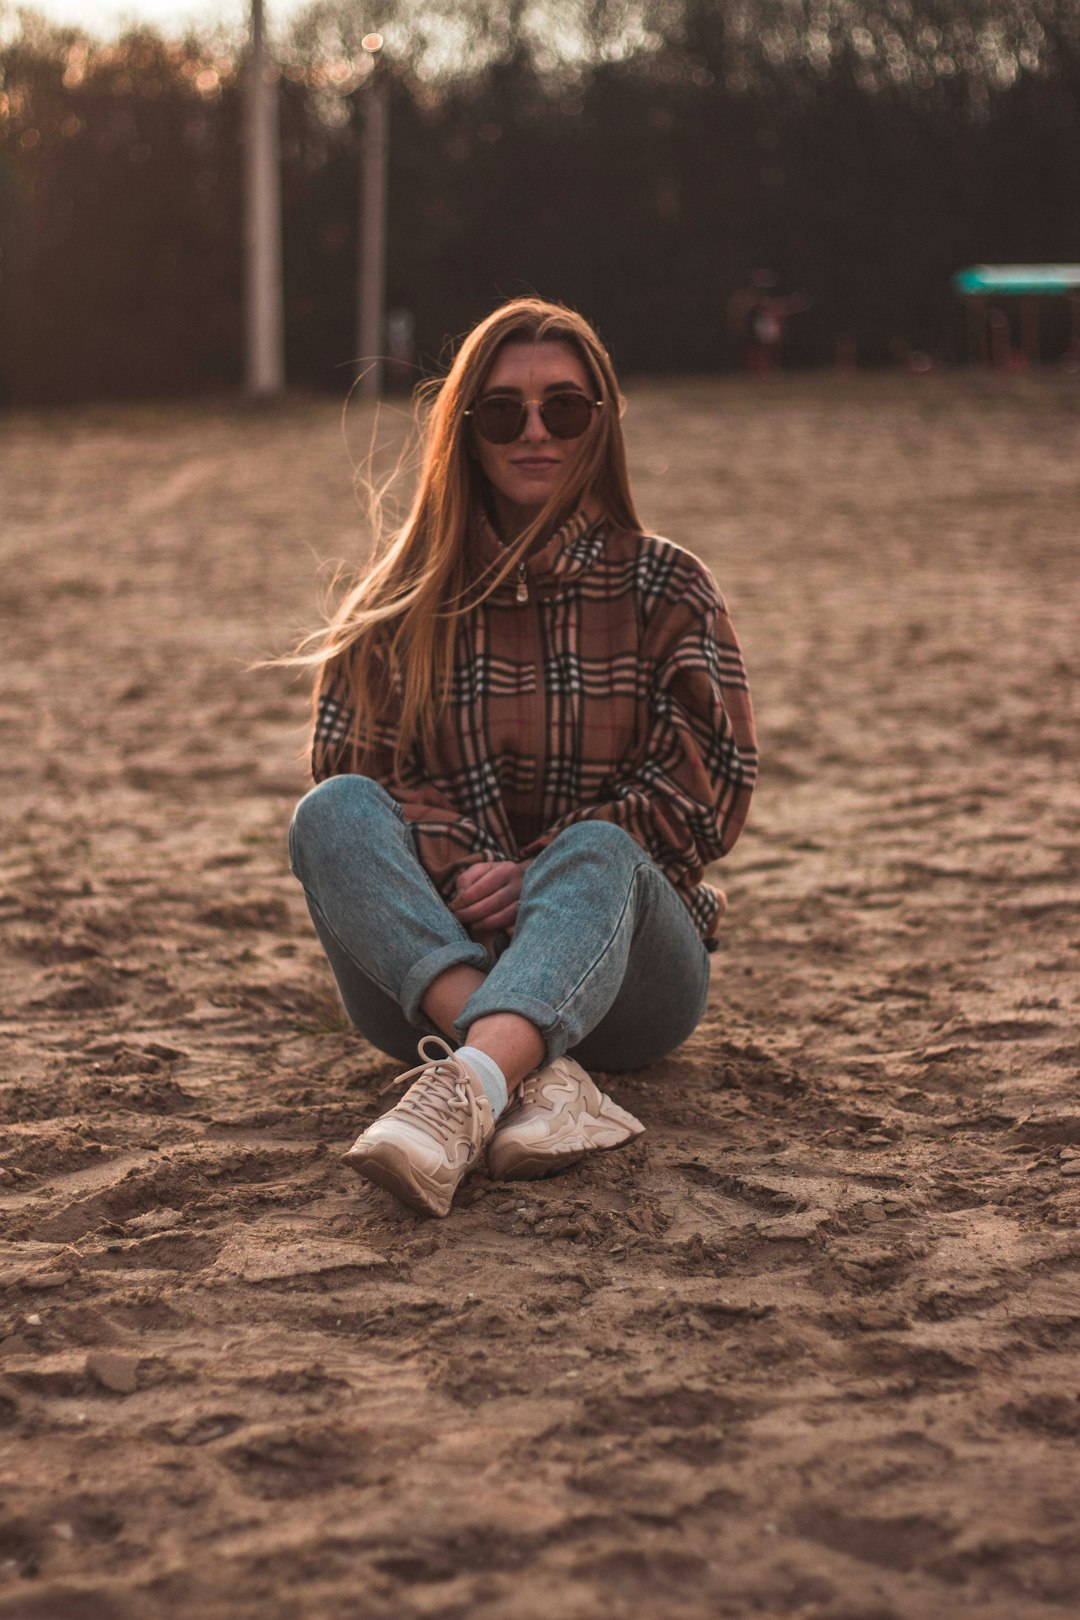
530	1165
389	1167
611	1128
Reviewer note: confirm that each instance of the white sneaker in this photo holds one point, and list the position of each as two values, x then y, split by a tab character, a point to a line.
557	1116
423	1147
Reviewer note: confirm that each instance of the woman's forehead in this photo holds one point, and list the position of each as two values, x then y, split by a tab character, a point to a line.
543	366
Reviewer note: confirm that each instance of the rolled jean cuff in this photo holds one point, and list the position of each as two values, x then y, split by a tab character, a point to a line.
483	1002
422	975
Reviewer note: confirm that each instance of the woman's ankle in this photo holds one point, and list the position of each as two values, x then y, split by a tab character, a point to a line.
515	1044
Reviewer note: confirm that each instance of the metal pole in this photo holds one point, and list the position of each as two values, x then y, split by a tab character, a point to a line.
265	338
371	280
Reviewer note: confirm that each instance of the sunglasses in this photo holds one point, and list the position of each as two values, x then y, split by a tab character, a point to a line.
501	420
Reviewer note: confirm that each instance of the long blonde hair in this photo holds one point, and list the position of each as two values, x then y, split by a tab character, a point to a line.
401	614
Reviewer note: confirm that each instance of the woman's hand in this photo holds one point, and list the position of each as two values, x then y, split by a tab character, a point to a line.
486	898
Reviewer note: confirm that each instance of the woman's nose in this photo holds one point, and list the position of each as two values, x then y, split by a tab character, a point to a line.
534	428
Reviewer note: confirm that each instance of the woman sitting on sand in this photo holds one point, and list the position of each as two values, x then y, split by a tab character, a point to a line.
532	733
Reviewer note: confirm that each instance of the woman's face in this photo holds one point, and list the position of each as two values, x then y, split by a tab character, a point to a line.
527	471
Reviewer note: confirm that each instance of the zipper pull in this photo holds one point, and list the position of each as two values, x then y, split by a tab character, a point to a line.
522	584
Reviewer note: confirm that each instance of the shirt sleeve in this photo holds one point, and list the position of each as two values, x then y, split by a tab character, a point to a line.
684	788
446	841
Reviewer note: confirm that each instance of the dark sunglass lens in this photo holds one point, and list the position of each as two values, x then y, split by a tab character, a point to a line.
567	416
499	420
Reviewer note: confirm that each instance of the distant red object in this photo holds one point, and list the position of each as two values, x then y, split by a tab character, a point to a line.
847	354
759	316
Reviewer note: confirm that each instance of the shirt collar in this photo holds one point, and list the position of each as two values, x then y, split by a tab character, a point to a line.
572	548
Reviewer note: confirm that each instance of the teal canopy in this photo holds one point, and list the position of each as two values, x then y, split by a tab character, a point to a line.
1007	280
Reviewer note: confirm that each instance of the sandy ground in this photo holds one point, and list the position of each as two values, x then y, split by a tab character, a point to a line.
809	1348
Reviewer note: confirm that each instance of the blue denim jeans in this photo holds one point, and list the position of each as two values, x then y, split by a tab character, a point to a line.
604	958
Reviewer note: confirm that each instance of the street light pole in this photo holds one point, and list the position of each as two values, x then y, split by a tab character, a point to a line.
371	271
265	341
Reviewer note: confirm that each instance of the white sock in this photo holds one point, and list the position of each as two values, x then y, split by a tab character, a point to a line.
489	1074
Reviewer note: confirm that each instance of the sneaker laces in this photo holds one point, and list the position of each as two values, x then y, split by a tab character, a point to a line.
530	1092
448	1093
526	1092
526	1095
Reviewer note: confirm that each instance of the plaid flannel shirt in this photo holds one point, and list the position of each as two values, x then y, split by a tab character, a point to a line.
601	682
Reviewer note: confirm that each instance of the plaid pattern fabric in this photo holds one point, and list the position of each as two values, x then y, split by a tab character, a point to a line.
615	691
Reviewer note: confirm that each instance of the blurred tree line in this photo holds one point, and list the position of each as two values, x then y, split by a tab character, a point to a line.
636	160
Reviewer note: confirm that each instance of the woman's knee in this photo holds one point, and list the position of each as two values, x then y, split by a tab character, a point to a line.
336	810
599	840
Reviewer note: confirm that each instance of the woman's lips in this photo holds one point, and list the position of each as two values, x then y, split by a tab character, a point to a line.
535	463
